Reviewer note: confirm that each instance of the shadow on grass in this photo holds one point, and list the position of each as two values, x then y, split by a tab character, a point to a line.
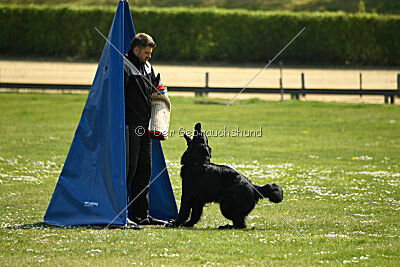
46	226
222	229
27	226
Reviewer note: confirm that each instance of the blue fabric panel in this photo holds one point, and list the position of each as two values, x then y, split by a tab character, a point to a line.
91	189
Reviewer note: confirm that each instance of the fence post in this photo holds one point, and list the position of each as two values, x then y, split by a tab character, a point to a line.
199	92
360	85
207	79
281	82
392	98
398	82
303	86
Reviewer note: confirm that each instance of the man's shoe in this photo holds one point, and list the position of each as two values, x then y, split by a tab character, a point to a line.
150	221
132	225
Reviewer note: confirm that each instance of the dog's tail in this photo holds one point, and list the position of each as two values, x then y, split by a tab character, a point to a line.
271	191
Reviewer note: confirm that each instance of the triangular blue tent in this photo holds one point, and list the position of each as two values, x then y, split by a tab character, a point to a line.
91	189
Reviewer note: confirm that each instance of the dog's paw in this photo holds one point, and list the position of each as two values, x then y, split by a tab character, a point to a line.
228	226
187	225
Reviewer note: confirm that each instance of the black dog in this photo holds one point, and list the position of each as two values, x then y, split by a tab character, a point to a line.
204	182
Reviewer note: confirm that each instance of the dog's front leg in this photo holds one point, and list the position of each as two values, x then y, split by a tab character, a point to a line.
184	212
197	211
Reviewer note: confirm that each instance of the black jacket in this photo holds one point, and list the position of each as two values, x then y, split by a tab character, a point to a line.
137	91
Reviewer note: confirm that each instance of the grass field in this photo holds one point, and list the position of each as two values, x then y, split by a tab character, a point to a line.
380	6
339	165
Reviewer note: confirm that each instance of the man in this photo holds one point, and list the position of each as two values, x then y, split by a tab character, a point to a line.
139	80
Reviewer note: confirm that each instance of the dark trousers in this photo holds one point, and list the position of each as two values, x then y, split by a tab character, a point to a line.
138	160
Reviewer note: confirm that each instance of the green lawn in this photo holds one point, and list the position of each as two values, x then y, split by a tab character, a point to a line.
380	6
339	166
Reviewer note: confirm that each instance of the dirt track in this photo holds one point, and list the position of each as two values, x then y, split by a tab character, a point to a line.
227	76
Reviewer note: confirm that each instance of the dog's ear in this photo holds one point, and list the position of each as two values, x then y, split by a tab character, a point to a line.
188	139
197	127
209	148
197	131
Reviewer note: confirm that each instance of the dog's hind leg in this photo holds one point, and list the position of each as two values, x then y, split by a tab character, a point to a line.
235	205
197	211
239	223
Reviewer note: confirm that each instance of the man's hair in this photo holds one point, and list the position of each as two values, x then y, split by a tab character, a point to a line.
142	40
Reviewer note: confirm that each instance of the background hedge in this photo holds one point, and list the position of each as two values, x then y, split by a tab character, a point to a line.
207	35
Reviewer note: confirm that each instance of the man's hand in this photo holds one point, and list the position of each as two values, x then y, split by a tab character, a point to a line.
156	81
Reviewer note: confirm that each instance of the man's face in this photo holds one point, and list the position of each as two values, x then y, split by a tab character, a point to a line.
143	54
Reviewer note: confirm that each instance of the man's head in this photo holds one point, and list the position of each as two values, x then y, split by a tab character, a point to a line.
142	46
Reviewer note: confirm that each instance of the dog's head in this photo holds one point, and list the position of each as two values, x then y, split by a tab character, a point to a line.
198	151
274	193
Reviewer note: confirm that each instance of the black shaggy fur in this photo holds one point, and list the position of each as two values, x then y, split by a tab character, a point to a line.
204	182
